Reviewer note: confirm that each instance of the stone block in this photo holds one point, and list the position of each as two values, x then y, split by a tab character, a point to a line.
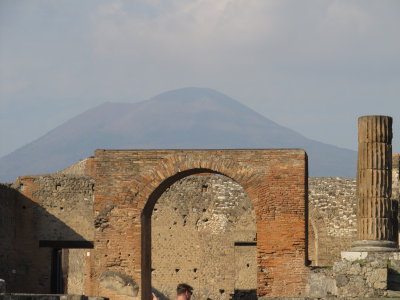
377	278
341	280
321	285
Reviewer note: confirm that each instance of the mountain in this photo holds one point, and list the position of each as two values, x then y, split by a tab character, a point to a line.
191	118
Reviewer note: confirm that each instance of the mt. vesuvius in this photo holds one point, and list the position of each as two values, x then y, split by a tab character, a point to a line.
189	118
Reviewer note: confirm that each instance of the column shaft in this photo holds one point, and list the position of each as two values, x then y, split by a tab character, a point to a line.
375	216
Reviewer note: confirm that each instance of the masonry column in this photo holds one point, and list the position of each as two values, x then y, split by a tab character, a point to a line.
376	215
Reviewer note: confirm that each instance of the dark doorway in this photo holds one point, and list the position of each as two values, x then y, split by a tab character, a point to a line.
59	270
60	261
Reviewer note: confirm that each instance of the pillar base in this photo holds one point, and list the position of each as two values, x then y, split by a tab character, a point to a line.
374	246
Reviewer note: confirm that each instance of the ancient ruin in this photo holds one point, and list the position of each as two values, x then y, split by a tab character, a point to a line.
235	224
204	233
377	214
370	267
129	184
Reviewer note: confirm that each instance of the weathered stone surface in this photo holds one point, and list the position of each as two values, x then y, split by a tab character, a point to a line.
120	283
63	199
76	270
332	218
83	167
378	278
376	218
321	284
368	277
49	208
341	280
204	234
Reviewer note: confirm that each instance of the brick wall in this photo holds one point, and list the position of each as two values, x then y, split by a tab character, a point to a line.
129	183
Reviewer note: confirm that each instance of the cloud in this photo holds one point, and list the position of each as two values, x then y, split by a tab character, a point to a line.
201	31
301	51
279	57
179	30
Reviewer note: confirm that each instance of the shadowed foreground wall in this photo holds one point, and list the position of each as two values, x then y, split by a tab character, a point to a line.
204	234
50	208
7	230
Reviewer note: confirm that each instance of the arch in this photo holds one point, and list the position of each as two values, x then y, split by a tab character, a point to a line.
164	185
211	216
168	172
128	182
173	168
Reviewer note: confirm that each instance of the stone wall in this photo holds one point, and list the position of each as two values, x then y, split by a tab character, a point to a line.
76	269
363	275
332	218
66	203
83	167
46	210
332	206
204	234
27	266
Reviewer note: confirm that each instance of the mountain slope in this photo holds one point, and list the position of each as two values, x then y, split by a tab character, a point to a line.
193	118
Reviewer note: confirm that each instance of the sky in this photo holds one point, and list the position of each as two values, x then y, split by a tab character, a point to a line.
314	66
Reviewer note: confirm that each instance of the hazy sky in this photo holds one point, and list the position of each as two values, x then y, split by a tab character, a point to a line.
311	65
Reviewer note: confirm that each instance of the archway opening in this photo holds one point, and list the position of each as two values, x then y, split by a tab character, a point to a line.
203	232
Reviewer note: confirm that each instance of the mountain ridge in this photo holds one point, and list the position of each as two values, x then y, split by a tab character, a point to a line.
192	118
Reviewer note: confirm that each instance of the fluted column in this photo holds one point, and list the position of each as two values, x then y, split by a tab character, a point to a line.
376	215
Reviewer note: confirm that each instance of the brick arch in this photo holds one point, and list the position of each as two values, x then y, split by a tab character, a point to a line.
169	171
172	169
274	180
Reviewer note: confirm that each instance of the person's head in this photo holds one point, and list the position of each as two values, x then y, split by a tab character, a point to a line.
185	290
